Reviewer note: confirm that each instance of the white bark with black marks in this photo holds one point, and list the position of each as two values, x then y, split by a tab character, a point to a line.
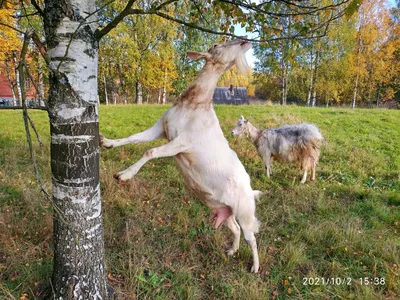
10	82
79	271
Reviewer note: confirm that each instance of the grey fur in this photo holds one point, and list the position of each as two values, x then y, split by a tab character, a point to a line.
298	144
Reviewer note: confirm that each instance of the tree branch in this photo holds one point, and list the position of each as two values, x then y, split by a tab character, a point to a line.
306	10
13	28
100	33
21	64
35	85
41	47
20	107
36	5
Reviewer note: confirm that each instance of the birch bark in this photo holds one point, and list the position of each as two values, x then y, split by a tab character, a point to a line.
10	82
79	270
17	79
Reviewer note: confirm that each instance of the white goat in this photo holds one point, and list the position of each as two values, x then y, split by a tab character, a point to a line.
210	168
289	144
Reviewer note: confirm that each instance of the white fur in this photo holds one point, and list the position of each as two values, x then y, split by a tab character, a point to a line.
210	168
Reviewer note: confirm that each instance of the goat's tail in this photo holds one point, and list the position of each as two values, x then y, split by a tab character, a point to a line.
257	194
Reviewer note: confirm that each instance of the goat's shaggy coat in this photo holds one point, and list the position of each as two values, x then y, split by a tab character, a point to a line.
298	144
210	168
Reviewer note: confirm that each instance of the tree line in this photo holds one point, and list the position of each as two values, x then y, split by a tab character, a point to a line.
353	61
357	61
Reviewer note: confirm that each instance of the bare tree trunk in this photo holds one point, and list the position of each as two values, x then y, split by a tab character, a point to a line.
17	78
114	98
377	95
159	96
164	94
311	83
353	103
359	45
122	83
284	79
79	269
41	84
8	71
105	89
314	97
139	93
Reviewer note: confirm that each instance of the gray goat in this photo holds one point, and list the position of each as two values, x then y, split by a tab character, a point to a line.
288	144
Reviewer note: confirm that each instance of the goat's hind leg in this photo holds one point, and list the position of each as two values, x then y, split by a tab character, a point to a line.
150	134
303	180
313	171
235	228
250	225
172	148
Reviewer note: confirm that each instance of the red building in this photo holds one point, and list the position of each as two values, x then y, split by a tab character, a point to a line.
6	96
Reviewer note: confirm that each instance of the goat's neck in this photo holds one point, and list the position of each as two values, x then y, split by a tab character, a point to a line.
202	89
252	132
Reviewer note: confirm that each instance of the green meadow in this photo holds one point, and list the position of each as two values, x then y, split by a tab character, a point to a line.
335	238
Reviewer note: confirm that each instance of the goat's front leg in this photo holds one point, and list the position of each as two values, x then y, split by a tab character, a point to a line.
172	148
155	132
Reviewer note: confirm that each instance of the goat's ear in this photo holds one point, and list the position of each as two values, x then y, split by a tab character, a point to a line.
241	118
249	118
197	55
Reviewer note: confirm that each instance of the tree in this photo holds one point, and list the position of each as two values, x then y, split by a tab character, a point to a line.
10	44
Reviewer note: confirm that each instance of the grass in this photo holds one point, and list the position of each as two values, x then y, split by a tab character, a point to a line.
159	244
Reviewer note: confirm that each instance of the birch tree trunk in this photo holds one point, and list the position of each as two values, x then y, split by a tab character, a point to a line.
314	97
105	89
122	83
139	93
311	82
284	78
114	98
17	78
40	84
79	270
8	71
353	102
159	96
164	92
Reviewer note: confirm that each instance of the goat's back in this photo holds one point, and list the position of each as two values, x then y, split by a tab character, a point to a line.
291	143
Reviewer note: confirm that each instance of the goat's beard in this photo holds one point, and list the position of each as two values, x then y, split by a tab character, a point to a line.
241	63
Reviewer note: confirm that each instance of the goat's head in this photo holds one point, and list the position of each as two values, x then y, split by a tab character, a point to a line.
226	55
241	127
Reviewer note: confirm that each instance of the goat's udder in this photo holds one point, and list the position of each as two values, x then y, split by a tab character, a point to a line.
220	215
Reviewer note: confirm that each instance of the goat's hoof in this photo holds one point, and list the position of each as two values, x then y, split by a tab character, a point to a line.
102	142
231	251
120	180
254	269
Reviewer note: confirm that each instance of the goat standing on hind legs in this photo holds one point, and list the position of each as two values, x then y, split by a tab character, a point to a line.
289	144
210	168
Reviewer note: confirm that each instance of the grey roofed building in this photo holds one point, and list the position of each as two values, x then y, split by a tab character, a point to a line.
231	95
